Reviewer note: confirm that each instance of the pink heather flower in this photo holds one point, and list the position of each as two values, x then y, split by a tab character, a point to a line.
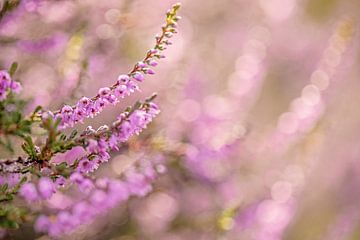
42	224
7	84
150	71
2	95
102	183
138	184
141	64
99	105
46	115
153	51
92	146
78	115
4	78
86	185
125	131
154	109
76	178
86	166
138	118
101	197
60	181
152	63
64	219
84	102
138	76
81	211
132	86
55	230
28	192
10	178
66	109
15	86
121	91
46	187
123	79
98	198
112	99
103	92
113	142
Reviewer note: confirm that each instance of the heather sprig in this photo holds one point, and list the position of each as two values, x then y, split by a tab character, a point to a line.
98	197
97	144
126	84
37	175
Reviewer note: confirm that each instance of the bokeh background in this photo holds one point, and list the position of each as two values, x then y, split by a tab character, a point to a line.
260	118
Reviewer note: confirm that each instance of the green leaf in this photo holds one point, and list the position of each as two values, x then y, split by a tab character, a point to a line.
37	109
4	187
29	147
7	223
13	68
61	167
73	134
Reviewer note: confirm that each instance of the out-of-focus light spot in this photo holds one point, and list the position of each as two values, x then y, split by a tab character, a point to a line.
281	191
226	220
332	57
112	16
121	163
255	48
159	208
248	63
217	107
338	43
311	95
278	10
105	31
163	206
270	212
295	175
239	83
300	108
189	110
260	33
288	123
320	79
238	130
226	223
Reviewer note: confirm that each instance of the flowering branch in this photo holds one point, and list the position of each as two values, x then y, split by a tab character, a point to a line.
125	84
37	176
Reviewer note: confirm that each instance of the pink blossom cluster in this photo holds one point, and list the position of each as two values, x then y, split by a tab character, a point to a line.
124	86
7	84
97	152
126	126
90	107
103	194
43	190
